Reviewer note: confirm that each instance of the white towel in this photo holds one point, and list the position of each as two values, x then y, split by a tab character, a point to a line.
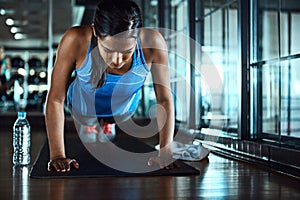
188	152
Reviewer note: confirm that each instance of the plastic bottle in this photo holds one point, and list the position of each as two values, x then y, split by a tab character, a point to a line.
21	140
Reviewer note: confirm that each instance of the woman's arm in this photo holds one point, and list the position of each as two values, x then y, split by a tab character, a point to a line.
161	82
165	108
64	65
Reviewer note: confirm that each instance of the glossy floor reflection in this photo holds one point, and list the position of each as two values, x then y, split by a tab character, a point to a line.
220	178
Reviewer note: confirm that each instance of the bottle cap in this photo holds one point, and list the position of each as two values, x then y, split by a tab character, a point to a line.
21	114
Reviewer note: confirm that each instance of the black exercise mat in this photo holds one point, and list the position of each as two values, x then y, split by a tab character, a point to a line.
91	167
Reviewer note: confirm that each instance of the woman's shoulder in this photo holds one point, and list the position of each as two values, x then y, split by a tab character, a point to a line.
77	35
74	44
153	44
151	38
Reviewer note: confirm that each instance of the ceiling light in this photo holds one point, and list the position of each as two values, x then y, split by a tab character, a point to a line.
2	11
9	22
19	36
14	29
153	3
7	11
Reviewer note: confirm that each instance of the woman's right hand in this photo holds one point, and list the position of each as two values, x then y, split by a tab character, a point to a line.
62	164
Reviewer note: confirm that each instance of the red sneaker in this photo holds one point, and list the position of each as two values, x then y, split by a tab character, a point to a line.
109	131
90	129
107	128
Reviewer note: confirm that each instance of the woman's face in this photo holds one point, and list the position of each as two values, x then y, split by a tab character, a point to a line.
116	51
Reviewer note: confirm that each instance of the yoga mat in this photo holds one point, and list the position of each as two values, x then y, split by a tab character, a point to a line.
91	167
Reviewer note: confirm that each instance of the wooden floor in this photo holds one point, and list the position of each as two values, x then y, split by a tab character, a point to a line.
220	178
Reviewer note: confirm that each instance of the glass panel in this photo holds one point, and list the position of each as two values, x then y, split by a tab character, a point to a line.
291	9
211	5
213	31
220	53
179	62
178	47
281	98
254	102
272	30
295	42
290	98
150	12
269	46
271	99
284	34
280	92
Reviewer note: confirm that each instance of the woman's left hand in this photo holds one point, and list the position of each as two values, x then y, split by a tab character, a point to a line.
164	160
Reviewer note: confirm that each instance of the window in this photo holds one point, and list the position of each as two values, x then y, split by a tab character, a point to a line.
275	71
219	62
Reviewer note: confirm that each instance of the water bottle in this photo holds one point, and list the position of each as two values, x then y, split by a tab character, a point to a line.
21	140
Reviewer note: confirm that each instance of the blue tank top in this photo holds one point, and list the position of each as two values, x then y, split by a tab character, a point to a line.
119	95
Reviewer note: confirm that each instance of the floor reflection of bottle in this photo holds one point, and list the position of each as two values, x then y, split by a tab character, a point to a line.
20	176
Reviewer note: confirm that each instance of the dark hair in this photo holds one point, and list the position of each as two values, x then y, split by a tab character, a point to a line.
112	17
116	16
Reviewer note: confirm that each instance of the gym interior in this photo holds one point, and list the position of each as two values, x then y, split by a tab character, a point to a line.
233	74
